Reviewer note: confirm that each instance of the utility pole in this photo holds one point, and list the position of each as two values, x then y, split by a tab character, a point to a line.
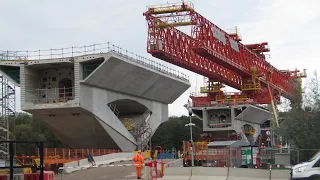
190	125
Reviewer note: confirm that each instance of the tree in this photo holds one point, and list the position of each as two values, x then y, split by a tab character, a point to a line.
301	125
173	132
24	127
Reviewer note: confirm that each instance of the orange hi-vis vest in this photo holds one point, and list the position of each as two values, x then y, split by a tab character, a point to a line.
138	159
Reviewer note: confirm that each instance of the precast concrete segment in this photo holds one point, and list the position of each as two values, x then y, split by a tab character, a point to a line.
95	100
248	174
254	114
92	123
77	131
199	173
119	74
175	173
280	174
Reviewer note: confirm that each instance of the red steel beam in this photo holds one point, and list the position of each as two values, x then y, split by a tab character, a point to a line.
215	44
175	47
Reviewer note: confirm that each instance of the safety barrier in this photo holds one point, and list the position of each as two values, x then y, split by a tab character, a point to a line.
177	173
99	160
199	173
218	173
15	177
48	175
280	174
33	176
245	173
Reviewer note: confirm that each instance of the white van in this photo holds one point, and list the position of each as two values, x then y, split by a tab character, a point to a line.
307	170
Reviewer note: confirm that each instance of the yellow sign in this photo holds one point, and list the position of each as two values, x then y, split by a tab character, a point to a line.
128	124
37	161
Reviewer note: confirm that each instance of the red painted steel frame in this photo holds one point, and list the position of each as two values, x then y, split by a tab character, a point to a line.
240	62
174	46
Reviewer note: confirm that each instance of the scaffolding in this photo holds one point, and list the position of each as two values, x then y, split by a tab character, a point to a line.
8	108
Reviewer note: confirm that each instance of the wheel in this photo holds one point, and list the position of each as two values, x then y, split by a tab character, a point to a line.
315	177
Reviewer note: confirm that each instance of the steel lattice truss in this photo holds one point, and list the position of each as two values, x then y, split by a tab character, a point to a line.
217	55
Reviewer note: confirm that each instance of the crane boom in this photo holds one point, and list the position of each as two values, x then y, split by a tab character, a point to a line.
217	45
174	46
215	54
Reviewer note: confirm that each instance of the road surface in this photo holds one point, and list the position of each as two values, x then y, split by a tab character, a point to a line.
104	173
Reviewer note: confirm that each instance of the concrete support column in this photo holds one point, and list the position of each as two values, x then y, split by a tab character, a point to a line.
205	119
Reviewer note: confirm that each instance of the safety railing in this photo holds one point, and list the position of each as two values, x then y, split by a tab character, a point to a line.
114	109
64	153
53	95
91	49
169	5
216	124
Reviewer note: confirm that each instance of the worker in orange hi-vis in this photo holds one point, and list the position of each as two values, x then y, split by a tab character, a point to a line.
138	160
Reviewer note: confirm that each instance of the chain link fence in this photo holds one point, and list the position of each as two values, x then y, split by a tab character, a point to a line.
296	155
233	157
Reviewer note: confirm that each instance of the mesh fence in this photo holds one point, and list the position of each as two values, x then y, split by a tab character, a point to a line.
233	157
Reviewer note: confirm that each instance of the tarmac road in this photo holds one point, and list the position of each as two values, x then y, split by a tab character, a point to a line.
104	173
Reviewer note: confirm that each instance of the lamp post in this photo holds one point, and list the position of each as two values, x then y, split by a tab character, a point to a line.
190	124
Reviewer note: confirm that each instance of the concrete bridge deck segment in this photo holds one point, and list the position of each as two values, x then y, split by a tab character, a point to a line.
77	97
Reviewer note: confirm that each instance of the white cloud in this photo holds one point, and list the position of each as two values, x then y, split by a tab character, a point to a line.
290	27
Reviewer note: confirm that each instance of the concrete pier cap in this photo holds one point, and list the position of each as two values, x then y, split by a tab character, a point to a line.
87	99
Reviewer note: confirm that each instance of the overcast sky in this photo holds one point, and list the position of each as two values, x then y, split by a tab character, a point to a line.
290	26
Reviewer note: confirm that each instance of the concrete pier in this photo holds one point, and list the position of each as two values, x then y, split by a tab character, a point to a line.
85	100
223	122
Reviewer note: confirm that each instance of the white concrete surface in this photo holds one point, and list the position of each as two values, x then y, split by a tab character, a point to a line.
247	174
208	173
177	173
280	174
137	80
116	78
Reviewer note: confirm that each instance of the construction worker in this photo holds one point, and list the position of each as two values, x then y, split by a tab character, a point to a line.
138	160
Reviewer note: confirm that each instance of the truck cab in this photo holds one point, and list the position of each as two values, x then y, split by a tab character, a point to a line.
307	170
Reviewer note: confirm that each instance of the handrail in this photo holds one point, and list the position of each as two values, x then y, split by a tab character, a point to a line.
114	109
53	95
91	49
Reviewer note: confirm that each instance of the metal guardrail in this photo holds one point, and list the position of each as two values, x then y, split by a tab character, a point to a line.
91	49
54	95
114	109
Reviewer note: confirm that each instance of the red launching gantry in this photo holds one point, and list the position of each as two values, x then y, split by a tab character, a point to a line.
219	56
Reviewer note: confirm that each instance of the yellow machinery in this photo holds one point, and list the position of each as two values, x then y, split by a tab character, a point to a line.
128	124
